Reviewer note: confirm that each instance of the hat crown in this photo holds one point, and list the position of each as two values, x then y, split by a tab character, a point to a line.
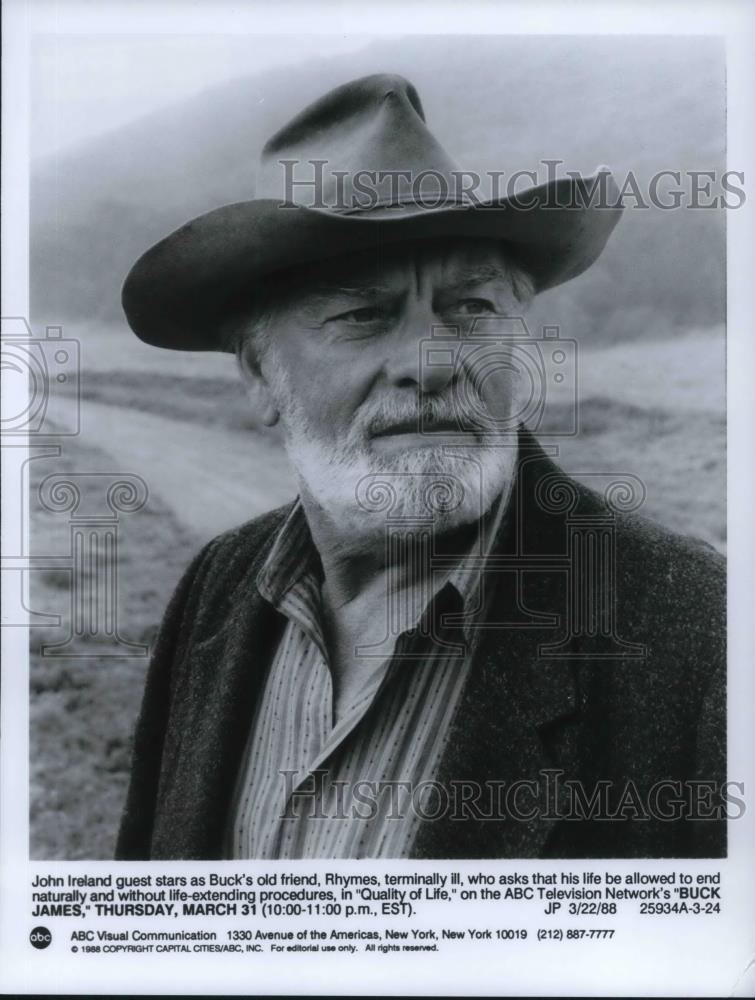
362	146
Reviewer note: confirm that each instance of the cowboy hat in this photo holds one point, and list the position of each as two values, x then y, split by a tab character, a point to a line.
357	169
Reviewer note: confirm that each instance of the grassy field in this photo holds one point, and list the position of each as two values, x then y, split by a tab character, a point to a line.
657	414
83	708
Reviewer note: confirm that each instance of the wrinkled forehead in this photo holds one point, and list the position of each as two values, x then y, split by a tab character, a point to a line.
435	264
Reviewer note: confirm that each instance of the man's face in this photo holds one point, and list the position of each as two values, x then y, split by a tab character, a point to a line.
367	404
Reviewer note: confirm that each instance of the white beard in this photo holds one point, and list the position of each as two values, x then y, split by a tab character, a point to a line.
443	484
360	489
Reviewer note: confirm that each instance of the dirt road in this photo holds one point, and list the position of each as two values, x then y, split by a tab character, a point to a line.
212	479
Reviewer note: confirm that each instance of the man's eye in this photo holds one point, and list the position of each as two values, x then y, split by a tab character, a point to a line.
474	307
367	314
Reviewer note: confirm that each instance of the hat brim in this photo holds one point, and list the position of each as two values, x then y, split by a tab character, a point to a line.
179	292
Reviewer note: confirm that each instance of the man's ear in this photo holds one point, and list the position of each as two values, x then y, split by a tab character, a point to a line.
256	384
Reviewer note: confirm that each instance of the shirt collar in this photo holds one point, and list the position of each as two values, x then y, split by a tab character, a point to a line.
293	557
466	576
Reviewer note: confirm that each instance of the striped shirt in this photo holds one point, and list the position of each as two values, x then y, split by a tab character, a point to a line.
357	789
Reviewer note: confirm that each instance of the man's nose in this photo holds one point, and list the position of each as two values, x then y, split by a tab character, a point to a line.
412	363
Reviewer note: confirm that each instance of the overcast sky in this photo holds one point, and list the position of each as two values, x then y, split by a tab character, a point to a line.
84	85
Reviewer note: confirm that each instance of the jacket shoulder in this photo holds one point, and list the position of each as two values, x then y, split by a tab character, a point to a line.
669	562
671	597
668	589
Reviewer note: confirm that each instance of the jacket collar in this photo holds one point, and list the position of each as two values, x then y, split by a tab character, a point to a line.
516	718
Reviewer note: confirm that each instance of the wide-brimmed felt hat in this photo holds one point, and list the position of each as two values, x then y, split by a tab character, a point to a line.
357	169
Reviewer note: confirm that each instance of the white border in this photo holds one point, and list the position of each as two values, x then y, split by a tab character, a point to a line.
665	957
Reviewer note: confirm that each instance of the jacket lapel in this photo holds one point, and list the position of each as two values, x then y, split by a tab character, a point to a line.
513	732
215	696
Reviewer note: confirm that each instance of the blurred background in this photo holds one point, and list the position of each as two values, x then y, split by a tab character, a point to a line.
133	135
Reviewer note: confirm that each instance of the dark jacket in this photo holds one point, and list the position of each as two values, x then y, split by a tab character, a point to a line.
603	676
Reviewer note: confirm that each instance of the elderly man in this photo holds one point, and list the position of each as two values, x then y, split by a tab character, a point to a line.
445	647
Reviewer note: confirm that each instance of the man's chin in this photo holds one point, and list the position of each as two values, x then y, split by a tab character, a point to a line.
410	456
365	494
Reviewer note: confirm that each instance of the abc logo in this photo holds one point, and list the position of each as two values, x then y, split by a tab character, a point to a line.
40	937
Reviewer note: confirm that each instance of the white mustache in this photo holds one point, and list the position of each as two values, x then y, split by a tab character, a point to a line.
431	410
